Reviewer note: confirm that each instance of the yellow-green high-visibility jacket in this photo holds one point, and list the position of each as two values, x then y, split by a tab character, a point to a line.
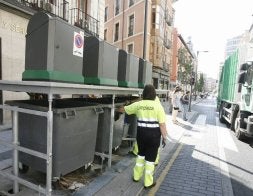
149	113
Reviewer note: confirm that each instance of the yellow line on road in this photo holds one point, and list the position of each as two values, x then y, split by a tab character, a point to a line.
165	172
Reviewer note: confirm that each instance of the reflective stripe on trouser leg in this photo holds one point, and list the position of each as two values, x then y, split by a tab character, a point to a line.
157	157
149	172
139	167
135	148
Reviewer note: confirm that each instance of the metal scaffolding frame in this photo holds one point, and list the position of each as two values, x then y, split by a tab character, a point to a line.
51	89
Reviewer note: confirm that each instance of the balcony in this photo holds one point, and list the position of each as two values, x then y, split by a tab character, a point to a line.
168	19
130	31
167	43
84	21
165	66
59	8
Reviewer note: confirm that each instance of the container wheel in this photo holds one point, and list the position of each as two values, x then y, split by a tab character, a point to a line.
234	116
23	168
238	133
221	118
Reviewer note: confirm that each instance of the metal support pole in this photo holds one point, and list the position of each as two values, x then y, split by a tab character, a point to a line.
196	74
190	101
15	150
111	132
49	145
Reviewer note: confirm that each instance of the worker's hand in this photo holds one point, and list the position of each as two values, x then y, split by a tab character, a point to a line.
121	109
164	142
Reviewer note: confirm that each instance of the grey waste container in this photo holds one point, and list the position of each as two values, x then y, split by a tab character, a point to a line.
104	119
132	129
100	62
128	66
74	134
51	50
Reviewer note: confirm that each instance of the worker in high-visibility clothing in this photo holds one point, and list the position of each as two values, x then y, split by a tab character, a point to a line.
135	145
150	127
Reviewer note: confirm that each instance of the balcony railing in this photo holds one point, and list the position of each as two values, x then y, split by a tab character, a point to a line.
58	8
167	43
165	66
168	19
130	31
84	21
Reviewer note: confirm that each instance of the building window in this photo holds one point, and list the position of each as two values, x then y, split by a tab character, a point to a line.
131	25
117	7
130	48
116	33
106	14
131	2
105	34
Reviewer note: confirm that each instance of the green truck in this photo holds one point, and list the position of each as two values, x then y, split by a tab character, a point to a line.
235	96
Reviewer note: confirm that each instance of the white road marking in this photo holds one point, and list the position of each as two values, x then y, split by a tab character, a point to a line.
225	139
226	182
197	131
201	120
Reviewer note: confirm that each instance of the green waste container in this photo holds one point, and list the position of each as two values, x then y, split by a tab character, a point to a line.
100	62
51	53
128	67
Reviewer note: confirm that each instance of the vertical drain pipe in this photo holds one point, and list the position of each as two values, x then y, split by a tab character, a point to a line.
145	30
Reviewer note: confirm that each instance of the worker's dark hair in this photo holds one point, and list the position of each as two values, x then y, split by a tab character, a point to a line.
149	92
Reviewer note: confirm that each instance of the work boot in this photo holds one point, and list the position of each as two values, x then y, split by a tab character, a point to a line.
152	185
149	172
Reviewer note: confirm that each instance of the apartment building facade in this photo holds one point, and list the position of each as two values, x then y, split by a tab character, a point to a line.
144	28
174	64
14	18
232	45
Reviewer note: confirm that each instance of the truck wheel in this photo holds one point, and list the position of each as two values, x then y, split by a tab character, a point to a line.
238	133
222	120
234	116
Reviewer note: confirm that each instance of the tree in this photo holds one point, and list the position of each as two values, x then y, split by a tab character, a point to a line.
200	83
185	66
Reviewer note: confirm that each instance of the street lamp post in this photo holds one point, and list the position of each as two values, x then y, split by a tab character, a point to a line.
196	73
192	81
